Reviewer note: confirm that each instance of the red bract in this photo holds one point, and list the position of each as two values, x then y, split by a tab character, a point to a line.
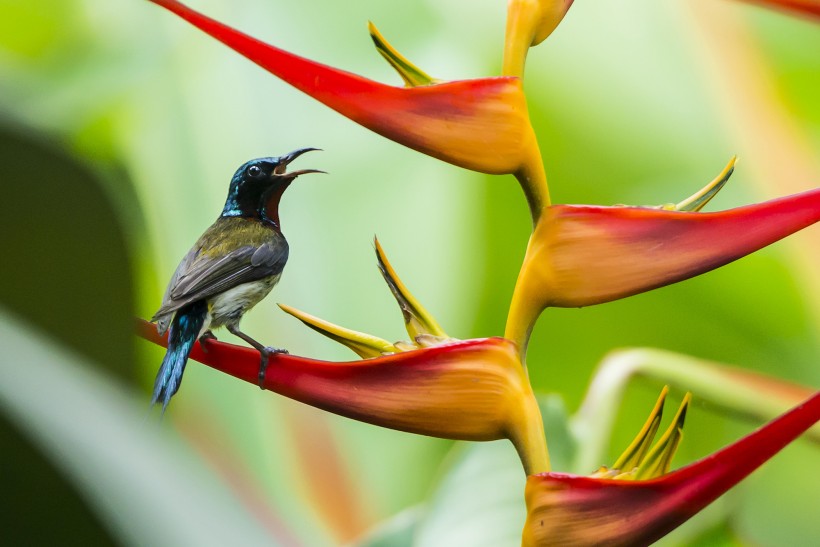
472	389
575	510
479	124
582	255
808	8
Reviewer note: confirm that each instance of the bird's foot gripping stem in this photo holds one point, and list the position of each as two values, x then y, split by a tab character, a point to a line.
266	352
204	338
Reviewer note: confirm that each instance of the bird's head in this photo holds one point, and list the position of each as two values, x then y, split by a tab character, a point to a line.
258	185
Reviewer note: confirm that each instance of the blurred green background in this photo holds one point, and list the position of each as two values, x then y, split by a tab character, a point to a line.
120	126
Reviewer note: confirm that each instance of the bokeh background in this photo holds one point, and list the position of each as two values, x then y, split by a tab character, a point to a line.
120	126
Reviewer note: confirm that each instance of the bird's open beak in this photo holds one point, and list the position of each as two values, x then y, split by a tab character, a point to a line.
288	158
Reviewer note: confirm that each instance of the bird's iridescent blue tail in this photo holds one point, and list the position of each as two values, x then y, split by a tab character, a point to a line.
182	336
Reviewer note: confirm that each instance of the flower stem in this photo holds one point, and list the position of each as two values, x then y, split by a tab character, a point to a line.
525	307
532	176
521	16
528	438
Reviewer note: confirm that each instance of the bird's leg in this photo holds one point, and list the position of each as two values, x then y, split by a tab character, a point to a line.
204	338
264	351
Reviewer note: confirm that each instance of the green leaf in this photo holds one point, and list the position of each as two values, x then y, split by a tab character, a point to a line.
72	273
562	444
397	531
479	501
139	479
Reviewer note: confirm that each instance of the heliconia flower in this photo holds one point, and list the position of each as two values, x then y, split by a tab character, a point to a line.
638	462
480	124
565	509
471	390
529	22
809	8
432	385
580	255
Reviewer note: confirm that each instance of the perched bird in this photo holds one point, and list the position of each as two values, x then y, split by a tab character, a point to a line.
232	266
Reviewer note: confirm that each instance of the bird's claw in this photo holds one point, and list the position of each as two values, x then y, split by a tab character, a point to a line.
206	337
263	366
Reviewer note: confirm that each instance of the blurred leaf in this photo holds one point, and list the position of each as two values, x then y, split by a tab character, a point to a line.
72	273
30	29
719	535
397	531
33	487
480	500
561	443
144	486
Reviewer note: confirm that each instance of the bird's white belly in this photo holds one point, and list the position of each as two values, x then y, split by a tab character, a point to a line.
228	307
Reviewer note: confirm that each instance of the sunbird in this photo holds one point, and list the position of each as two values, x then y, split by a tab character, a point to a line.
232	266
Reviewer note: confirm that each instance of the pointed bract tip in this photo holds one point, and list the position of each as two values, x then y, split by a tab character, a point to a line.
412	75
698	200
364	345
635	453
659	459
417	320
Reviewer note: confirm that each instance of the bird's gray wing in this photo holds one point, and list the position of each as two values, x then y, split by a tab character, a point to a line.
200	276
163	316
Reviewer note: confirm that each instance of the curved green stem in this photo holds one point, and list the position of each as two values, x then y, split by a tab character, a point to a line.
733	389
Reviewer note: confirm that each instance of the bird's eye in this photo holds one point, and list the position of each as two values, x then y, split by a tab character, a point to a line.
254	171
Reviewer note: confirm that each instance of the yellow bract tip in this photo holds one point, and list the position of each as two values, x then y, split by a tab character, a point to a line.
698	200
365	345
412	75
634	454
659	459
418	321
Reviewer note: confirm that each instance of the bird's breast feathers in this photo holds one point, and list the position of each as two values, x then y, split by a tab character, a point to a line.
228	307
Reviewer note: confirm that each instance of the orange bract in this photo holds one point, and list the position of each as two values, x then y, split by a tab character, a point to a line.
472	389
582	255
